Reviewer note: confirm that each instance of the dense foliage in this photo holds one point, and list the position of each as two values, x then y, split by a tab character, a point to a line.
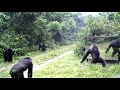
104	24
23	31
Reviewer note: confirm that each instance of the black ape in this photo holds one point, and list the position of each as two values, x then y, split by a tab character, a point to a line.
115	46
40	46
22	65
8	55
43	47
93	50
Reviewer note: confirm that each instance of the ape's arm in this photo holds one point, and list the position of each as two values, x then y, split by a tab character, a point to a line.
30	70
85	56
108	48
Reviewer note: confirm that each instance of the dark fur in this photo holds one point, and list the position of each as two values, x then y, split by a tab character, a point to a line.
42	47
115	44
8	54
93	50
22	65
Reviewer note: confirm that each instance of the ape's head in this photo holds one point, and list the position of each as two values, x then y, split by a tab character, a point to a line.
94	48
27	58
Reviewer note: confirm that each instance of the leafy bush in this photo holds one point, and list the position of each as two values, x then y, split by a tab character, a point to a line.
19	51
79	49
51	44
3	46
9	39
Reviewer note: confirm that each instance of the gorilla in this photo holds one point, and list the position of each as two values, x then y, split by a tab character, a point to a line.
8	55
115	46
93	50
21	66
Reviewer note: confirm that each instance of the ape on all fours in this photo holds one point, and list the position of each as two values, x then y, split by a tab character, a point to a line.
21	66
115	44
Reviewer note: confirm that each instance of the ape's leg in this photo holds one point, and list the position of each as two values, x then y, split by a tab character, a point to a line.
5	58
113	53
30	70
14	75
94	61
100	60
21	75
39	48
17	75
10	60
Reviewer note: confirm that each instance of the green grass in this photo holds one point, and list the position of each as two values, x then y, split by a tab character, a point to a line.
70	67
50	54
37	57
5	73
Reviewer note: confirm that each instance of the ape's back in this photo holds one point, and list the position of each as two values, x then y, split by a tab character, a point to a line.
94	51
115	44
22	65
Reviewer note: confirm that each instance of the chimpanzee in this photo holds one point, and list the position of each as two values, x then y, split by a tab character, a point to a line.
42	46
21	66
8	55
115	46
93	50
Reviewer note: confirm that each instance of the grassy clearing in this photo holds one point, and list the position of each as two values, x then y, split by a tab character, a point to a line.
37	57
44	56
70	67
